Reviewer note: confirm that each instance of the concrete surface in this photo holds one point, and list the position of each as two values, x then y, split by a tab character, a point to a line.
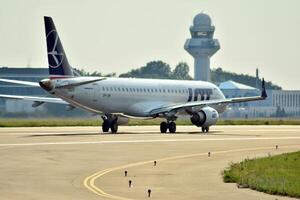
79	163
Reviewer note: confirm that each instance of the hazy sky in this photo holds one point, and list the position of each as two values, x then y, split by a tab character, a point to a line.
119	35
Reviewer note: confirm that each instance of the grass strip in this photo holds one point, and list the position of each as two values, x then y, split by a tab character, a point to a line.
278	174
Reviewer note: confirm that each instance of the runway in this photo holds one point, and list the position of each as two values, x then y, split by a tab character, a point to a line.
81	163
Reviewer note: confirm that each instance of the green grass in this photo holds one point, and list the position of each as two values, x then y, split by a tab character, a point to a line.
33	122
274	174
48	122
261	121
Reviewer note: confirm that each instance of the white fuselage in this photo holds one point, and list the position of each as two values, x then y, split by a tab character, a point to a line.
136	97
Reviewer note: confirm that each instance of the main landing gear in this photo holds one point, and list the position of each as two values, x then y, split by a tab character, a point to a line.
110	122
164	126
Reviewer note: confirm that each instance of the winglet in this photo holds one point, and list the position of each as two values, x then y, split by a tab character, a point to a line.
263	89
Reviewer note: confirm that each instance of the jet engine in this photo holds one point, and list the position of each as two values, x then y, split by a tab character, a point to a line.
206	117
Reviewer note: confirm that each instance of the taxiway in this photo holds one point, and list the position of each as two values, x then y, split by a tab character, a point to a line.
80	163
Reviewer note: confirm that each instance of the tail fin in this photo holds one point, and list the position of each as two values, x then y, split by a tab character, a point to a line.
57	60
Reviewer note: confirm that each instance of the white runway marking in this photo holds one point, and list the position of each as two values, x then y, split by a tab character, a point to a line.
268	130
148	141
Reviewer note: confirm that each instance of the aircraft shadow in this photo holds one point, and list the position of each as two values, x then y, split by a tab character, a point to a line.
228	134
100	133
62	134
211	133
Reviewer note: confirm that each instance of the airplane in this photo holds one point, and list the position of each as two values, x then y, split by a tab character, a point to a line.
114	98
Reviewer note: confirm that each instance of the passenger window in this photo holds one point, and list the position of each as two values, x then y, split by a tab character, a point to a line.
123	89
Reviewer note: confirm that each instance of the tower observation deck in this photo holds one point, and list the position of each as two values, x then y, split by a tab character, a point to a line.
202	45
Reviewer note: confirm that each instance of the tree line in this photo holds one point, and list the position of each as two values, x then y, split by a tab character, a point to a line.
161	70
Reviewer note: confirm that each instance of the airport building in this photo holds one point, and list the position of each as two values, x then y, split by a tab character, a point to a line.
280	103
26	74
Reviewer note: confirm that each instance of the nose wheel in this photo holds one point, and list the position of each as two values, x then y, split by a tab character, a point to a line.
165	126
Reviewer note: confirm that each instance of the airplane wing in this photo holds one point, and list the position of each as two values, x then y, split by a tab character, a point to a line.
34	84
176	107
40	100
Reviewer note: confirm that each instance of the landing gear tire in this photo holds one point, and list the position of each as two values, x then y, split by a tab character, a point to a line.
105	126
114	127
205	129
172	127
110	122
163	127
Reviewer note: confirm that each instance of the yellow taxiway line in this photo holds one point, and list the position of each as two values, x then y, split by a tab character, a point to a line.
89	182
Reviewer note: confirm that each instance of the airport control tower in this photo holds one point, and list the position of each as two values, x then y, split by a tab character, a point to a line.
202	45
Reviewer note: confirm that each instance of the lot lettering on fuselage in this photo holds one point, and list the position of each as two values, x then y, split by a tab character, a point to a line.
203	93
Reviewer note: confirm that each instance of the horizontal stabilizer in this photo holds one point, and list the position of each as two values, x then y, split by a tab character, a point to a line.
71	85
34	84
34	99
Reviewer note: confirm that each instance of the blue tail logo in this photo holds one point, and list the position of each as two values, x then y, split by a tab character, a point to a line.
57	60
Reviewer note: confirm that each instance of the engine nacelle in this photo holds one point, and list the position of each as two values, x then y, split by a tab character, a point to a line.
205	117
